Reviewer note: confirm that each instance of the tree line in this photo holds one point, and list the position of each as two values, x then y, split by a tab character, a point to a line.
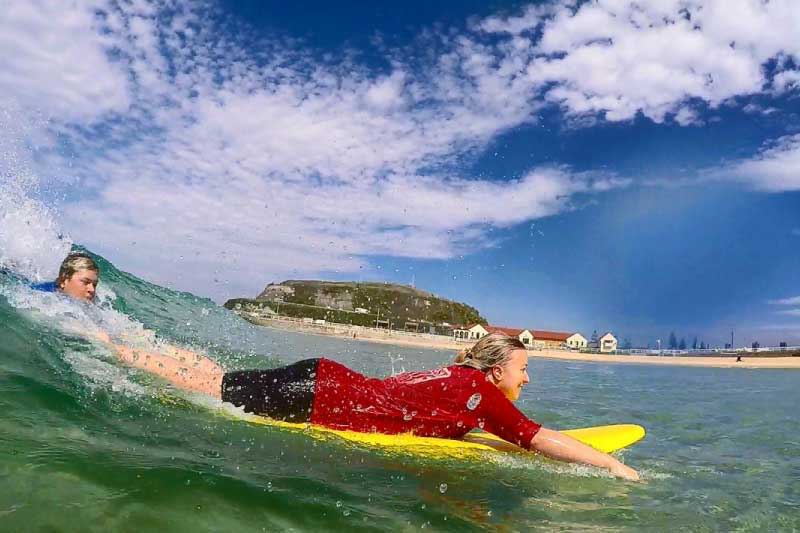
674	344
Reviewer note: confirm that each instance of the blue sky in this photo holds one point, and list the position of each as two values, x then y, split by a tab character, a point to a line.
611	165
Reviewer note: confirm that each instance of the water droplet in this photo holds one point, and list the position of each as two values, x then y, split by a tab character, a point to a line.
443	488
338	504
346	512
489	513
459	423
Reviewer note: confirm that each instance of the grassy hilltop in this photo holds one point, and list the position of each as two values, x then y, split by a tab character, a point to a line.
360	304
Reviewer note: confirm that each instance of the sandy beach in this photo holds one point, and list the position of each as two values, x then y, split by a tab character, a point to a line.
748	361
438	342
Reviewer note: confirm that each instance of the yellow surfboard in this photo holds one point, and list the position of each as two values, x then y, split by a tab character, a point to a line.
604	438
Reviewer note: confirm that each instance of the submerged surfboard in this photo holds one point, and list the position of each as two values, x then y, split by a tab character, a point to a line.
604	438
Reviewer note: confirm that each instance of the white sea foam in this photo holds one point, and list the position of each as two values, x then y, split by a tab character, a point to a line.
31	242
103	375
32	246
528	462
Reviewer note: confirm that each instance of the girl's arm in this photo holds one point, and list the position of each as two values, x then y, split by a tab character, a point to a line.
564	448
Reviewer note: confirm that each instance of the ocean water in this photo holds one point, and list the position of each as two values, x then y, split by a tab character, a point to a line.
89	445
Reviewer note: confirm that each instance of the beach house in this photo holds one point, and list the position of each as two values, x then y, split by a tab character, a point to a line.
576	341
607	342
469	333
524	335
550	339
477	331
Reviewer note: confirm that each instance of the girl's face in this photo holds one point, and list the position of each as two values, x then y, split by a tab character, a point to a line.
512	376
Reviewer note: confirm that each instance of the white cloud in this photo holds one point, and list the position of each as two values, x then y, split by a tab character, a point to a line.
775	169
531	17
237	167
787	80
619	58
791	301
795	300
198	150
55	62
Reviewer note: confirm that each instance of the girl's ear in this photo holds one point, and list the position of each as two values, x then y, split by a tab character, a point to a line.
497	373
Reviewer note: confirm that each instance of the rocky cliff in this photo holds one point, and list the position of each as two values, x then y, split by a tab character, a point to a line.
403	307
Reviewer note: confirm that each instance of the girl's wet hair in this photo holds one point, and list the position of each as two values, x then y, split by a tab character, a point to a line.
75	262
491	350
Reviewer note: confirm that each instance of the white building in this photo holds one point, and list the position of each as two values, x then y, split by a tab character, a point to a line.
471	333
576	341
551	340
607	343
477	331
524	335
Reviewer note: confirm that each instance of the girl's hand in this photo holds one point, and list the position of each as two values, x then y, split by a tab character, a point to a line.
624	472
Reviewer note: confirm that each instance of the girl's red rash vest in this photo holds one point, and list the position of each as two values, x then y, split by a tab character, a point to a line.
445	402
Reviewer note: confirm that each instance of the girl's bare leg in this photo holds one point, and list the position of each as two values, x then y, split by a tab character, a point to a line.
205	377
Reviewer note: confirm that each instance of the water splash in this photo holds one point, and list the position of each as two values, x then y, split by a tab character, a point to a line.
31	242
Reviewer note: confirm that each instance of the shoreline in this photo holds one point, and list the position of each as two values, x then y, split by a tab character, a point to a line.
438	342
748	361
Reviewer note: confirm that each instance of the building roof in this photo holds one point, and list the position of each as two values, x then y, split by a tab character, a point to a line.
511	332
541	335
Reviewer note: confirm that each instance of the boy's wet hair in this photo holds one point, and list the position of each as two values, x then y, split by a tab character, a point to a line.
75	262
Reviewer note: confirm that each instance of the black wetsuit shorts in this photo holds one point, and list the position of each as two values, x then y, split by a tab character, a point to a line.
285	393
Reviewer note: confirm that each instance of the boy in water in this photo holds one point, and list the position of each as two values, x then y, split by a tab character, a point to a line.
77	277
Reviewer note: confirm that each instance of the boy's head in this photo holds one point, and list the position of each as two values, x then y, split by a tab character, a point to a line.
78	276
